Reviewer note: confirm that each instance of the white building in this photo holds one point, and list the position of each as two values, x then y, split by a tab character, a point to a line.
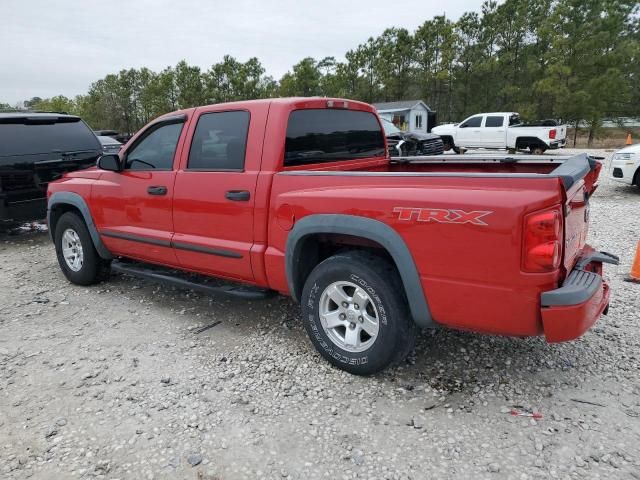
408	115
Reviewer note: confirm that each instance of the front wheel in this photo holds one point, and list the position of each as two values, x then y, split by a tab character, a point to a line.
356	314
77	257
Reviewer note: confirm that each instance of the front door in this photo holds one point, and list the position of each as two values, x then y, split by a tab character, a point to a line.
214	196
469	132
133	207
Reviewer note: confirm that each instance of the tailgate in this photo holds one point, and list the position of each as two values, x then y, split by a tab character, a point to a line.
579	176
576	223
562	132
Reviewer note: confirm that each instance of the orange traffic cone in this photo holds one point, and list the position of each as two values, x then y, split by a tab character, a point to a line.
629	142
634	275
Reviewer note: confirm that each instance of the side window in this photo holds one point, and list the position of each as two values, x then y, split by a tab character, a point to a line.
418	121
472	122
219	141
156	150
494	121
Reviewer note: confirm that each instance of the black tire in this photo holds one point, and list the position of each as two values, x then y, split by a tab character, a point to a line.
397	330
447	143
458	150
536	149
93	268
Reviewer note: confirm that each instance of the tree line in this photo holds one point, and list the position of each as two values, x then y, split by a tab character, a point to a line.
573	60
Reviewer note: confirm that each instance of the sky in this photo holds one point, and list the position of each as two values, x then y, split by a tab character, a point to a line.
59	48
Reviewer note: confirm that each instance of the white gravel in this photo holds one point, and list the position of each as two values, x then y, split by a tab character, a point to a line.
114	382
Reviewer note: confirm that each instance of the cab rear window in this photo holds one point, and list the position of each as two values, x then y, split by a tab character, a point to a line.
329	135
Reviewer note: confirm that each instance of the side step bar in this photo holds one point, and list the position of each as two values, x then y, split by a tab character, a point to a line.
167	277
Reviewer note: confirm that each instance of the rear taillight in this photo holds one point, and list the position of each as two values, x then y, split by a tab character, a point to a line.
552	133
542	246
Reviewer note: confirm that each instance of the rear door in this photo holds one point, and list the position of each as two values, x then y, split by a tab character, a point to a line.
214	200
493	132
132	208
470	132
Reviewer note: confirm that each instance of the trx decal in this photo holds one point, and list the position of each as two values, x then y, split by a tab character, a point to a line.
440	215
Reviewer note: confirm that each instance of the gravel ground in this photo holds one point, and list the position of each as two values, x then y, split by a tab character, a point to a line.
116	381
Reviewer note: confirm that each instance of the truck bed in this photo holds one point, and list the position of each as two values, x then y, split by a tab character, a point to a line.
569	169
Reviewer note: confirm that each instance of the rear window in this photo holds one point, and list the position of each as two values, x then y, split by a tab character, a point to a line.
328	135
44	136
220	141
494	121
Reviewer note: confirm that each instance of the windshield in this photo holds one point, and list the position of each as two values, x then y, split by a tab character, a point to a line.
389	127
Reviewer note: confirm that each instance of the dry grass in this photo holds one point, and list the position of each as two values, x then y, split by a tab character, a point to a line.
604	138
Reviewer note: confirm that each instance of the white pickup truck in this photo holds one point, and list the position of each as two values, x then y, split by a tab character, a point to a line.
502	130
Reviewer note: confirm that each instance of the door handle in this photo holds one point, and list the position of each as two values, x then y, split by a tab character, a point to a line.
157	190
238	195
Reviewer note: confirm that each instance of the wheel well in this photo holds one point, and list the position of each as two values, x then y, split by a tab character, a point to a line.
447	139
526	142
317	247
57	211
636	177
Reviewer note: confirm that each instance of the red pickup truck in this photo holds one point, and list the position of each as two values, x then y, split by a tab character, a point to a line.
299	196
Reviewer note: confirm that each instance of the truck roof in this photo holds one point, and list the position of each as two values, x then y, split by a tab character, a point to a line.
279	101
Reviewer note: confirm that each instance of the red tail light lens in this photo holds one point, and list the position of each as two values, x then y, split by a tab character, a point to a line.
542	248
552	133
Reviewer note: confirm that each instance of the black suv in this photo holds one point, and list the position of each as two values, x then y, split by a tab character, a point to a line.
35	149
409	144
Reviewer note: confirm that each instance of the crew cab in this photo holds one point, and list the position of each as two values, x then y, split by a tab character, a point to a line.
504	131
299	196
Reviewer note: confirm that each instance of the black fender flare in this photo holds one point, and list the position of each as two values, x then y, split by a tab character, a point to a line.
75	200
371	229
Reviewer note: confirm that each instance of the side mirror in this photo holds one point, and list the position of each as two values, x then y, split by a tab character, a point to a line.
110	162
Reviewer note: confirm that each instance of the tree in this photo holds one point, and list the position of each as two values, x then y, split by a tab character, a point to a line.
302	81
394	62
591	42
188	81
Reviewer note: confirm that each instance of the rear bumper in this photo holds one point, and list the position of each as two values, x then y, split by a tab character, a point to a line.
569	311
557	144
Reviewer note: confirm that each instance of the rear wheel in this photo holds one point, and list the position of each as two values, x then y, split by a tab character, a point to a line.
536	149
76	254
356	314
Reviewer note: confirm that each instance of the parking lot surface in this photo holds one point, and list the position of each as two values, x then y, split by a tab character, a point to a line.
122	380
